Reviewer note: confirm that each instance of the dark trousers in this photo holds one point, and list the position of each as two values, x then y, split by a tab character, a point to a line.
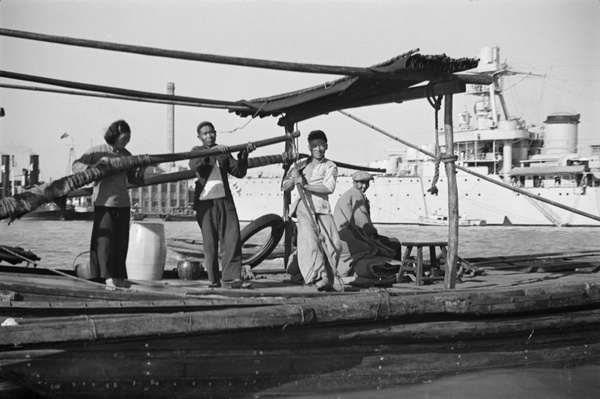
110	241
218	221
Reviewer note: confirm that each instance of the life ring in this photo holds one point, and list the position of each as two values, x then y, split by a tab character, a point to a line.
275	222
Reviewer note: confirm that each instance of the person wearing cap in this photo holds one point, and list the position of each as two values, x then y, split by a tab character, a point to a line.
353	206
215	210
352	216
318	252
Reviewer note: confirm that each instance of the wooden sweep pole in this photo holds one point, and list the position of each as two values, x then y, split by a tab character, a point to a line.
19	204
479	175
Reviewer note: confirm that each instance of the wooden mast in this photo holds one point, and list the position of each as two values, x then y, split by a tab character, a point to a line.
452	257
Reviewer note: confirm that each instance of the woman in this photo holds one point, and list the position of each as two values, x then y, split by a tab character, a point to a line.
110	233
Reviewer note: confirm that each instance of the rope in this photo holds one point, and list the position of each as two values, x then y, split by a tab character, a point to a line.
247	123
19	256
436	104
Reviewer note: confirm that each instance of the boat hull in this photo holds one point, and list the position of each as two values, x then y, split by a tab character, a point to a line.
307	360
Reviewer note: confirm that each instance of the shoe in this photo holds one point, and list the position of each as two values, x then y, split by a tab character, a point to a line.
237	284
117	282
214	285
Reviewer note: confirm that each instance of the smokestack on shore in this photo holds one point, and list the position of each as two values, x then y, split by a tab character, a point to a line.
6	183
34	169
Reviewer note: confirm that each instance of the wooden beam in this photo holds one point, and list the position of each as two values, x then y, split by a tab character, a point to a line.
450	276
119	91
211	58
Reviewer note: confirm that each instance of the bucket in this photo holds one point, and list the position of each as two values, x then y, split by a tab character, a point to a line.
188	270
147	251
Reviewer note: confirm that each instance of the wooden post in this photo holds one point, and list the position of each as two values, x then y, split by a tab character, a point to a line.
451	260
287	199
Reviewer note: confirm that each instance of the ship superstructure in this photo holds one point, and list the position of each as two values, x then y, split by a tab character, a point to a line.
541	158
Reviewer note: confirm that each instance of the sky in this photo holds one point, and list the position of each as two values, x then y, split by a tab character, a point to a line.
559	40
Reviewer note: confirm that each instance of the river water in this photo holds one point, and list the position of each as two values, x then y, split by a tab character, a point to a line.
59	243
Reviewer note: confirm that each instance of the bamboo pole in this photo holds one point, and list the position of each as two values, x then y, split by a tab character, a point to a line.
451	260
185	55
126	92
479	175
19	204
422	65
121	97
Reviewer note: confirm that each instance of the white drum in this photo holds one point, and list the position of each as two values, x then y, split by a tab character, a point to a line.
147	252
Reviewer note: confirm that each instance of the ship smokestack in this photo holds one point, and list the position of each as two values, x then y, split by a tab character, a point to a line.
5	176
171	122
560	134
34	168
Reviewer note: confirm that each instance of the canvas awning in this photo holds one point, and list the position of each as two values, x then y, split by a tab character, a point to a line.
393	82
547	170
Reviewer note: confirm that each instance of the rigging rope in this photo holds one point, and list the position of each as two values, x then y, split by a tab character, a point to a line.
436	104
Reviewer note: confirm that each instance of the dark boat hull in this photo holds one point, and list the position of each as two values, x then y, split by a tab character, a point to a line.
276	362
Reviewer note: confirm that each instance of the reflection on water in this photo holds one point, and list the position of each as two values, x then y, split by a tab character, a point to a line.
582	382
58	243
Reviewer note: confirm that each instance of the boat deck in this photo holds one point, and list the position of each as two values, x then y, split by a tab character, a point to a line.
271	281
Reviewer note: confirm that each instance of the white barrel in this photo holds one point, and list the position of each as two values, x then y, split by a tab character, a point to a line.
147	252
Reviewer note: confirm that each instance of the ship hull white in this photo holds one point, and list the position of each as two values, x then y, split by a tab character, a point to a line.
402	200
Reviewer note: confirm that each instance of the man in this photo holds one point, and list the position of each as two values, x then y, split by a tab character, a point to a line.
352	216
318	249
215	210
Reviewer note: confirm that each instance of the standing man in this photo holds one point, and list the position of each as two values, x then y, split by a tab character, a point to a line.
215	209
318	251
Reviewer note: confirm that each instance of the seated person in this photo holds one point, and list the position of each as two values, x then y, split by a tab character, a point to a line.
360	239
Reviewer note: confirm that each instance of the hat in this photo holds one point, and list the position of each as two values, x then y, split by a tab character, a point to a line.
361	176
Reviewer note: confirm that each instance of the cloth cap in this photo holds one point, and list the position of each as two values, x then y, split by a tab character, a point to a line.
361	176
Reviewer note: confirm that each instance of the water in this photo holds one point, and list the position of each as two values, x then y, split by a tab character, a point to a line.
59	243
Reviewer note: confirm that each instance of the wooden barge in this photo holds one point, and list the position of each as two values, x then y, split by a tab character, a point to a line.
65	337
72	338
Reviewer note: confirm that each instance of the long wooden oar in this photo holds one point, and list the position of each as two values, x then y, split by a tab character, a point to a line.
19	204
483	177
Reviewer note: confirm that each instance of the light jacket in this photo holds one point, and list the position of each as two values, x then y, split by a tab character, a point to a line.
325	173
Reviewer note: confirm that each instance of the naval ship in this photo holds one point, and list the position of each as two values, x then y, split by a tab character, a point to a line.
541	159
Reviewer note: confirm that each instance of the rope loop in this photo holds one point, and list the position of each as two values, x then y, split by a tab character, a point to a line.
436	104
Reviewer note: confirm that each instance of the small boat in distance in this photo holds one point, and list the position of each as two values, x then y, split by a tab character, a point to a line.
442	220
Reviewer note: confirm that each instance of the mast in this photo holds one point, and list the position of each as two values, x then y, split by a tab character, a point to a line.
452	257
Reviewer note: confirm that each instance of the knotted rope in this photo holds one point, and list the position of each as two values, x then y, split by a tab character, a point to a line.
436	104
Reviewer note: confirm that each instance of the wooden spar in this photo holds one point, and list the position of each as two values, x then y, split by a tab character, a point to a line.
124	92
371	72
19	204
160	158
211	58
255	162
479	175
290	147
349	166
450	275
119	97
